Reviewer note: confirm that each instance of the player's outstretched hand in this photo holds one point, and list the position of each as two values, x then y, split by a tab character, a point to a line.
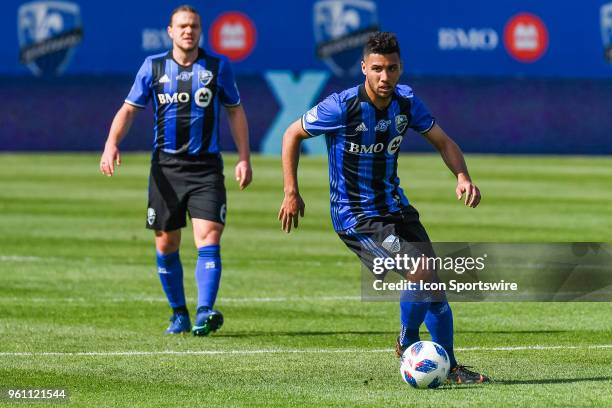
291	208
472	193
244	173
110	158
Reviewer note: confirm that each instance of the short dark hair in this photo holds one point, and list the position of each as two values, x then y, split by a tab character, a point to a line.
381	42
183	7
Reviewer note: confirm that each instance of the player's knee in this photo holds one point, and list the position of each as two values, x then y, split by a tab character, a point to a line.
214	236
208	238
167	243
208	234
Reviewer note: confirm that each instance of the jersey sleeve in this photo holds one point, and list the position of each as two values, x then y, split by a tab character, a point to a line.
228	94
422	120
141	89
326	117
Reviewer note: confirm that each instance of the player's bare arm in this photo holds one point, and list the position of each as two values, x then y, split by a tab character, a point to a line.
293	205
453	157
240	132
119	128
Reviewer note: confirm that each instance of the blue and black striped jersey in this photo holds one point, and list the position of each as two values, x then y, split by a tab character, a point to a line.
186	100
363	145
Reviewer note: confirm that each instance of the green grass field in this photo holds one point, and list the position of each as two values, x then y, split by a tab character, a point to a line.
81	306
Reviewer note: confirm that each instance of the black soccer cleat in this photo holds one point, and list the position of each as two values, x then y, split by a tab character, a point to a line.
207	321
461	375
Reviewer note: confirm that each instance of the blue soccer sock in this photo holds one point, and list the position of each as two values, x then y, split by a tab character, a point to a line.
170	273
208	275
412	315
439	322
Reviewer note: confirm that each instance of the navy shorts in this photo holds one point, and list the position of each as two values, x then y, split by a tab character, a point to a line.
181	185
397	233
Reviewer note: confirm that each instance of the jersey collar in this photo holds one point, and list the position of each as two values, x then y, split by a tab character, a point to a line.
201	55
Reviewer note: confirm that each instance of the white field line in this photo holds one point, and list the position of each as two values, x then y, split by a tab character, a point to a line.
154	299
279	351
22	258
19	258
162	299
513	266
286	299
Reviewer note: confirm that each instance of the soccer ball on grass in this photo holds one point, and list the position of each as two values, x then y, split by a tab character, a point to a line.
425	364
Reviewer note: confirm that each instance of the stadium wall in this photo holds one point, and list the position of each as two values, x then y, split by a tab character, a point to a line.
508	76
494	115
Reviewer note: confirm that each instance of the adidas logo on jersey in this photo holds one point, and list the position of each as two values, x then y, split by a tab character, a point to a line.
164	79
361	128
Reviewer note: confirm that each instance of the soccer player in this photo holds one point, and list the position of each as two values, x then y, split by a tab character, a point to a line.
363	128
187	86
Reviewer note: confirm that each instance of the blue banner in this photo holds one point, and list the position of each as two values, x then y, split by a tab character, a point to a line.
438	37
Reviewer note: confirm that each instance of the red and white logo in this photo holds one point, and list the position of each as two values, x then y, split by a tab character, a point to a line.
233	34
526	37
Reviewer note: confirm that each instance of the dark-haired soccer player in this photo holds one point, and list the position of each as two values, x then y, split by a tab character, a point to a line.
363	128
187	86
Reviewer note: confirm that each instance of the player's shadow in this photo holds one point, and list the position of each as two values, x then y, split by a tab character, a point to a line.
303	333
512	331
540	381
545	381
373	332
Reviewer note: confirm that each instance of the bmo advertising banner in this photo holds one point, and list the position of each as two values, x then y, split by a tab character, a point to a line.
505	76
546	38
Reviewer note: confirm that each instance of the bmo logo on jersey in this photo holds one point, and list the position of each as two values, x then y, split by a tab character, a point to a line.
392	147
165	98
202	97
